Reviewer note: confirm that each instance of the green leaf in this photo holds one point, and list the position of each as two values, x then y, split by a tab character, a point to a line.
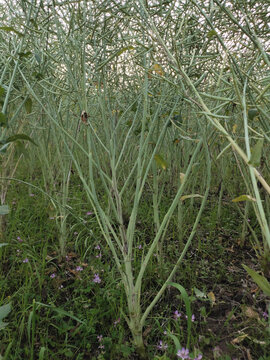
256	154
61	312
176	341
161	162
38	58
252	113
188	307
20	137
190	196
121	51
41	355
4	311
11	29
199	293
3	244
24	54
244	198
4	209
260	280
211	34
28	105
3	119
2	91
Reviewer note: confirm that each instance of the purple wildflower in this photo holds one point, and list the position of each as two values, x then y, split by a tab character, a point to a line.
192	317
89	213
19	239
140	247
31	195
97	247
25	260
51	217
183	353
52	276
75	233
199	357
98	256
162	346
116	322
177	314
100	338
96	279
265	315
79	268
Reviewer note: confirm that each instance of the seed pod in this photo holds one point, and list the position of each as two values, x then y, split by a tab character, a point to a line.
84	116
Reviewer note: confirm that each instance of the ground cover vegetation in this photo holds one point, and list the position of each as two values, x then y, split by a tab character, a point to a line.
134	142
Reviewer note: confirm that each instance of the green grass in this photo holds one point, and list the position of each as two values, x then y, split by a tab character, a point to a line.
76	310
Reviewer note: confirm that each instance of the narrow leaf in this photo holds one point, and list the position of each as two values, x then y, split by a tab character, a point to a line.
4	311
3	244
3	119
61	312
244	198
188	308
260	280
256	154
161	162
2	91
252	113
20	137
11	29
28	105
190	196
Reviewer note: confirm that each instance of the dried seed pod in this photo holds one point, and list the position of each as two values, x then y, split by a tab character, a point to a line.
84	116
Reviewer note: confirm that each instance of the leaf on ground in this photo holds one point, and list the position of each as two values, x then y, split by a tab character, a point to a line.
244	198
250	313
190	196
239	339
211	297
161	162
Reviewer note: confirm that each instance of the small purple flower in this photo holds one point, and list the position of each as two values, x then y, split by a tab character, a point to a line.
140	247
96	279
97	247
89	213
25	260
67	258
32	195
51	217
52	276
75	233
19	239
265	315
101	347
192	317
79	268
116	322
199	357
98	256
100	338
162	346
183	353
177	314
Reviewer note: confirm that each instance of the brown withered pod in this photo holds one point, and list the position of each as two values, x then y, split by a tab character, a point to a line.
84	116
